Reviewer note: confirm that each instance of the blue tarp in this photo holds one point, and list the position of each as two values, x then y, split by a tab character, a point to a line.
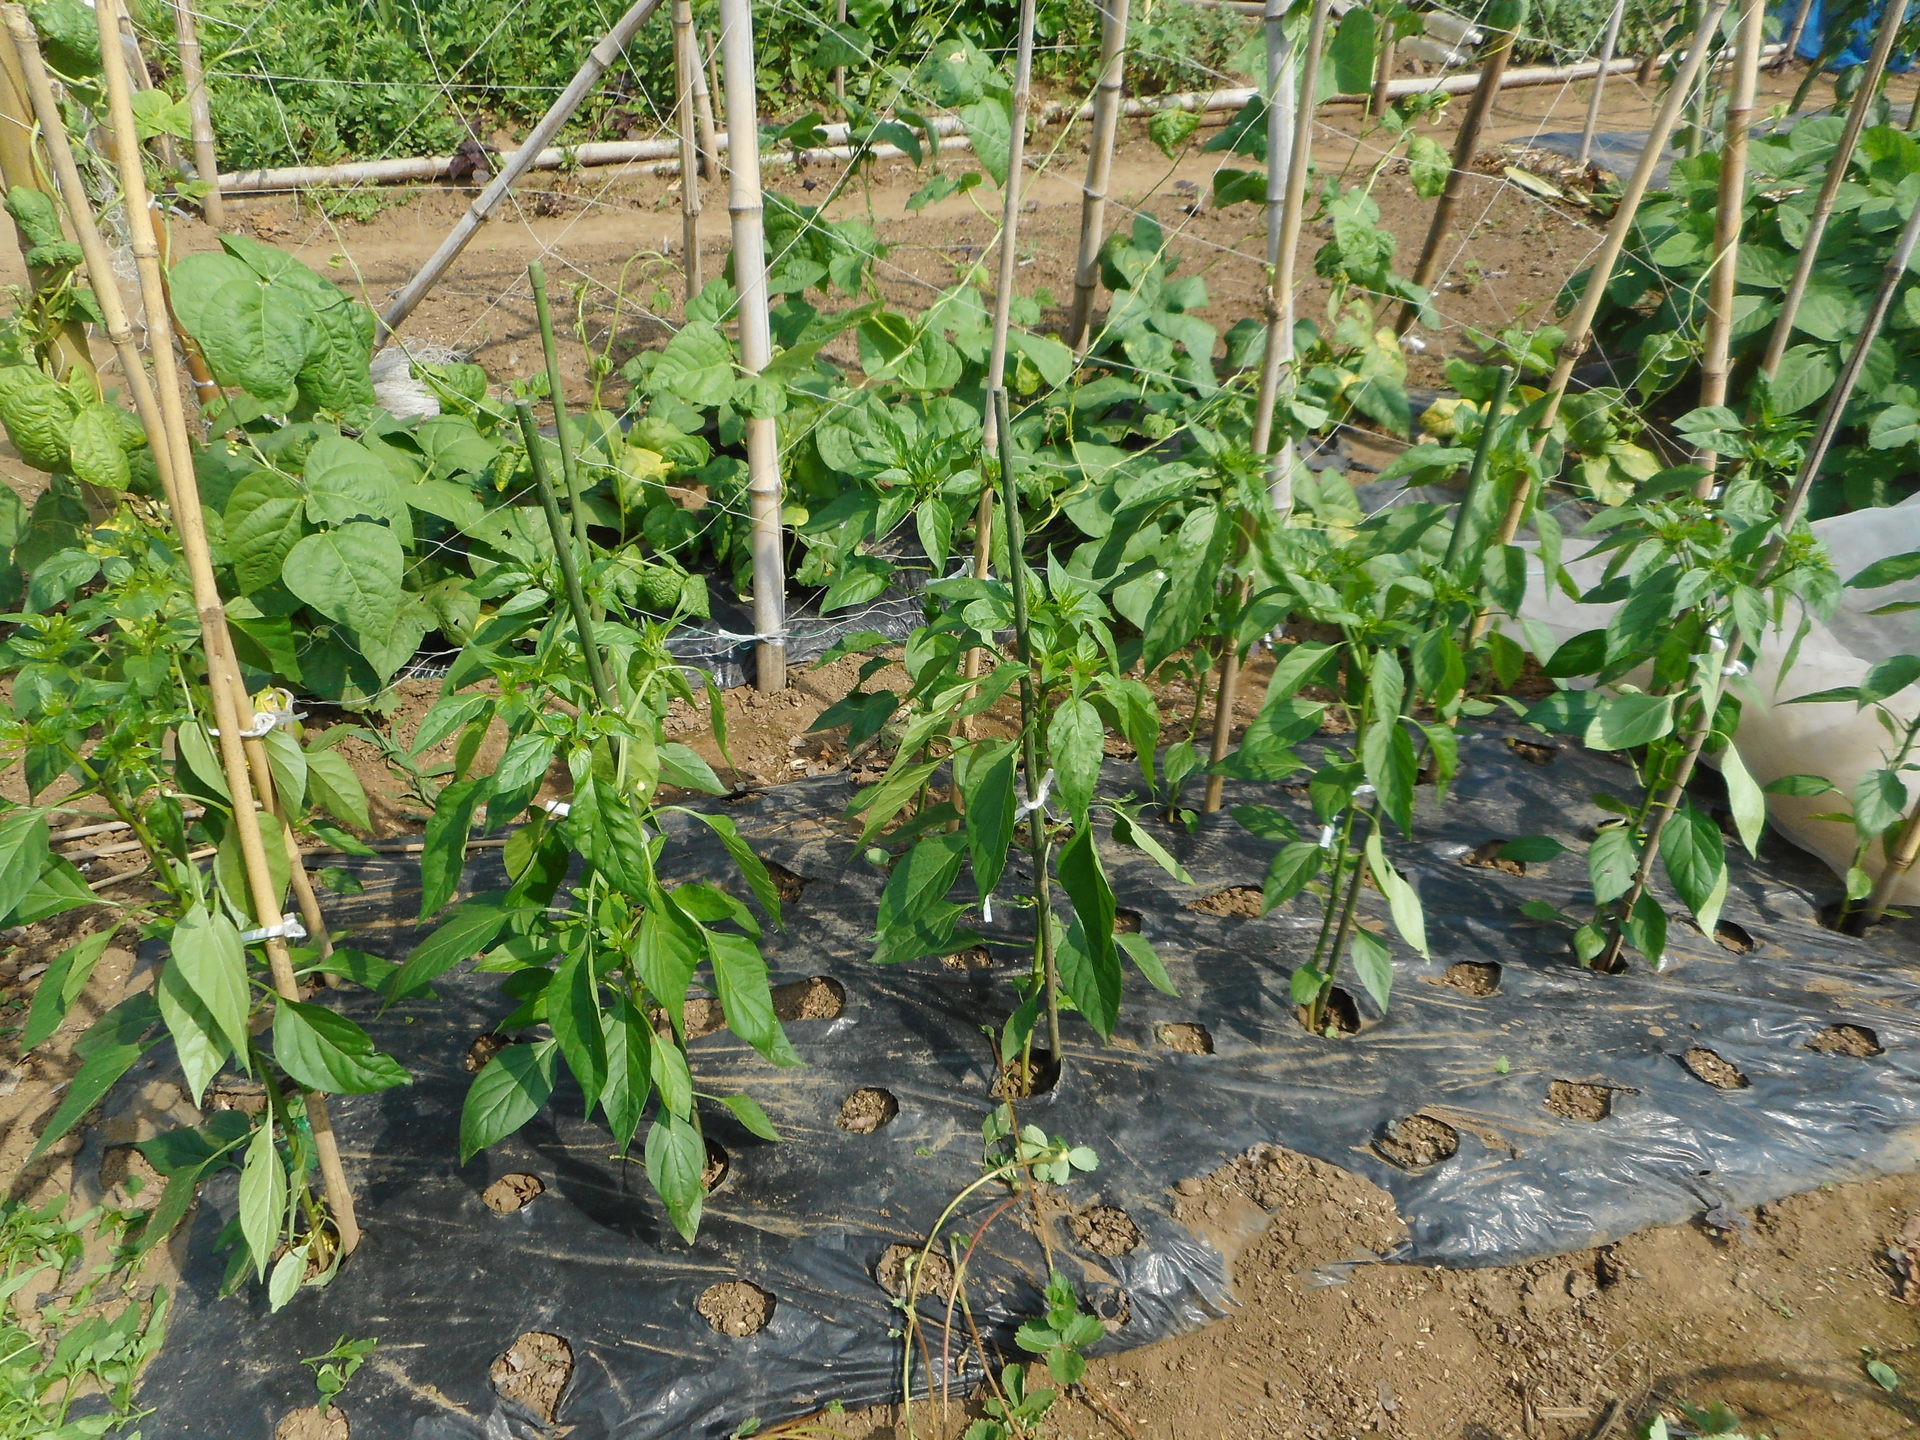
1814	38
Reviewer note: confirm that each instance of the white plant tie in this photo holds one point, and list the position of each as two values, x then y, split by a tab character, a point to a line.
986	908
1363	792
559	809
1717	645
280	712
289	928
1039	800
1326	837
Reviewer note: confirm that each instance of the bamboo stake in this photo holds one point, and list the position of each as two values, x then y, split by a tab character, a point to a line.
1003	311
756	344
840	71
556	394
1608	41
206	164
716	96
1010	216
1466	143
1379	98
191	524
1093	195
599	60
1900	858
686	65
1843	150
1799	25
704	126
1727	221
563	552
142	81
1291	121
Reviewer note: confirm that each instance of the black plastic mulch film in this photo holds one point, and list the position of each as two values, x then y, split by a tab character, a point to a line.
1580	1107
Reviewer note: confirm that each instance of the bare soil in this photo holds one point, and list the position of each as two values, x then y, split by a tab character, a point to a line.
865	1111
534	1372
1242	902
736	1308
512	1192
313	1423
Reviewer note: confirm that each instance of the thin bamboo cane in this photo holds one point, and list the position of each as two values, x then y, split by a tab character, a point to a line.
1093	195
599	60
190	522
1727	221
704	127
1695	134
143	80
1003	302
686	65
1900	859
744	205
1608	41
840	71
1289	120
1798	27
206	164
563	544
1466	144
556	396
1379	98
717	121
1843	151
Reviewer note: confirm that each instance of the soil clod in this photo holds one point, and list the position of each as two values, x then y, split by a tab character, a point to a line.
1705	1064
866	1110
1417	1142
820	998
1576	1100
1187	1039
534	1372
1239	902
512	1192
1478	978
1486	856
736	1308
1105	1230
896	1267
1855	1040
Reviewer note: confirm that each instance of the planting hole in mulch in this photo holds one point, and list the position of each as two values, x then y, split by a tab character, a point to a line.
1704	1064
310	1422
533	1372
974	957
703	1016
787	884
512	1192
1576	1100
1187	1039
898	1263
736	1308
1730	936
719	1165
234	1092
1105	1230
484	1047
1018	1080
1855	1040
1486	856
1477	978
866	1110
1126	922
1417	1142
821	998
1240	902
1343	1014
1533	754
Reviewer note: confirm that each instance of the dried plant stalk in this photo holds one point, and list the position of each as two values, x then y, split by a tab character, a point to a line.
1093	194
206	164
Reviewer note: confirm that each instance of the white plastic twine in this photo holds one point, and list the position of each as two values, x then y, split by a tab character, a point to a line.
264	721
289	928
1020	812
1360	792
1717	645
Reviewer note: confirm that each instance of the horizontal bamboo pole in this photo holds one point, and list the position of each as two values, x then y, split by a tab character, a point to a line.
949	128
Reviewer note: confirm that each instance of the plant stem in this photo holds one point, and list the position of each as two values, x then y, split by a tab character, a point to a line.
556	394
1030	719
563	552
1843	150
